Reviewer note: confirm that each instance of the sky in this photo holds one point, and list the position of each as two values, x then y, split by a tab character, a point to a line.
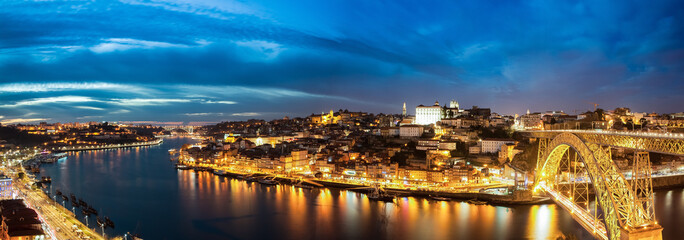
224	60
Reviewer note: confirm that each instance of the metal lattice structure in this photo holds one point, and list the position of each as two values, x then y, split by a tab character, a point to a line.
615	196
666	143
643	184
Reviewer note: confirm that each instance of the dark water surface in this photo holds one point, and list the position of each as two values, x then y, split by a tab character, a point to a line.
139	189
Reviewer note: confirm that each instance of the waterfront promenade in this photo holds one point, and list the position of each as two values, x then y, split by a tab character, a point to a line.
107	146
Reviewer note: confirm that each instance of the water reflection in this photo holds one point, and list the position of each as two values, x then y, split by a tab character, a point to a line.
141	191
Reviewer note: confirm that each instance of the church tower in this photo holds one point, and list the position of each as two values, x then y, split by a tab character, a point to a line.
403	111
453	104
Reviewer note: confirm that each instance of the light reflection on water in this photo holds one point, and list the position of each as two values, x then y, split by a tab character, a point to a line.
141	192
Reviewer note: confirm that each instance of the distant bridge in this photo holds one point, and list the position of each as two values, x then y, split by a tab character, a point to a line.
621	210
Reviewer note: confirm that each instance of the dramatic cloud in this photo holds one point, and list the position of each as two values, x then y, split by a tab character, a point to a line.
174	60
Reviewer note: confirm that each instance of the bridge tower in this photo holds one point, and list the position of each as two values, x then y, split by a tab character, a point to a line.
642	183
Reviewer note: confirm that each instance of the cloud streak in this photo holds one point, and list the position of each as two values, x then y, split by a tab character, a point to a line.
122	44
50	100
23	120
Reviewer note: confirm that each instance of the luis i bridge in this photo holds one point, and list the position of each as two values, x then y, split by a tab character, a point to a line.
593	189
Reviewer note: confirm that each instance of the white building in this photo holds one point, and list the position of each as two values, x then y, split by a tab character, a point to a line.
447	145
426	115
494	145
408	131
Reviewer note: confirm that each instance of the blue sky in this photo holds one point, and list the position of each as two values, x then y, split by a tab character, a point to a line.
210	60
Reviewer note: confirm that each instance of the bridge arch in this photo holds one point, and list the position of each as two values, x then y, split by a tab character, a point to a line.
614	194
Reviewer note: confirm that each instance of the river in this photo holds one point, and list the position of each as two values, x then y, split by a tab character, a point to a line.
141	191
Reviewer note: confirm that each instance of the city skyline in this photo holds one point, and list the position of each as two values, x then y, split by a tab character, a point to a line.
211	61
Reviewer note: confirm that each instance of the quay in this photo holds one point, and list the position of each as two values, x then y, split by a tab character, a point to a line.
518	197
107	146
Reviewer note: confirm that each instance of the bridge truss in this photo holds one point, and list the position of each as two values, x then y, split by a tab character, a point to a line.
622	210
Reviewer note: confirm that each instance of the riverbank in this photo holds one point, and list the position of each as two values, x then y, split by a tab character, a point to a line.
106	146
519	197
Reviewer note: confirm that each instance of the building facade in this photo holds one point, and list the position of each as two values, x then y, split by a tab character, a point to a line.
426	115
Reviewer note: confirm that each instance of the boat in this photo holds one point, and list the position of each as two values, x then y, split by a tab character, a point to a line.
65	198
109	222
85	212
82	203
74	201
251	179
438	198
476	202
182	167
134	236
45	179
302	185
100	222
268	181
91	210
59	193
378	194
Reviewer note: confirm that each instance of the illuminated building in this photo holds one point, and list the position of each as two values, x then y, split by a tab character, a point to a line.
426	115
19	221
6	189
330	118
507	152
409	131
531	121
494	145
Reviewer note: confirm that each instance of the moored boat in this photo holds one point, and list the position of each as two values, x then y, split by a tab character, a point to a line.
378	194
109	222
438	198
182	167
268	181
476	202
302	185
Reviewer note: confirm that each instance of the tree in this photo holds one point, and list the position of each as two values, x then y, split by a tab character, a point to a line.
600	114
630	124
401	158
643	122
528	157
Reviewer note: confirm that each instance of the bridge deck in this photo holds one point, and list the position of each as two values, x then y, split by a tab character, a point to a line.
666	143
584	218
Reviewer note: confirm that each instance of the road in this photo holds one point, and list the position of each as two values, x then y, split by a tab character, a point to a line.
61	223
